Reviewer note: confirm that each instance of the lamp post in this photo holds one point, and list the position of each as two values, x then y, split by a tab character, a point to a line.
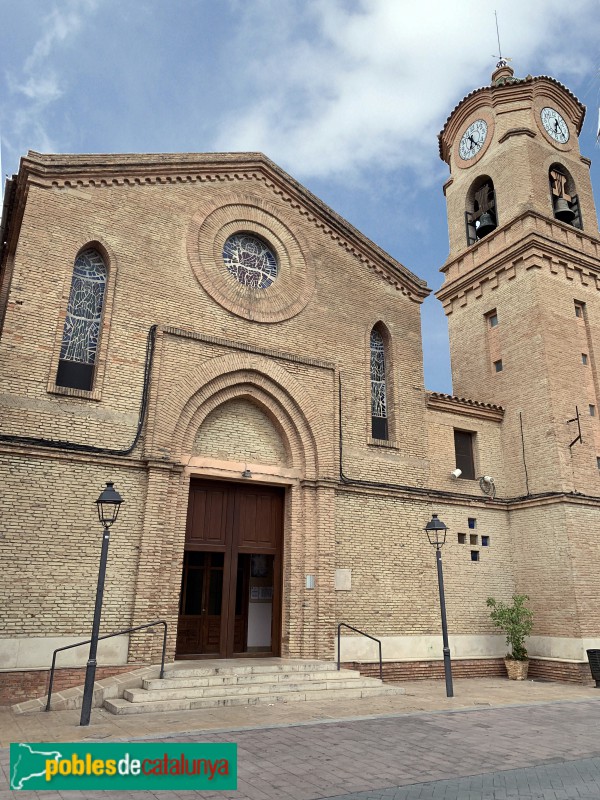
108	505
436	533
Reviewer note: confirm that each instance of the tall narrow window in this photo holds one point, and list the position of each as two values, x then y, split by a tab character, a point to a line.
82	325
379	423
463	448
492	330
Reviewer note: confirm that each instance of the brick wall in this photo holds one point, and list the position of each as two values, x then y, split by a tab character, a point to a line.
50	544
15	687
539	669
239	430
431	670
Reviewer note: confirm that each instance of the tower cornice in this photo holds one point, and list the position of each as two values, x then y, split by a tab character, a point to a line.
529	241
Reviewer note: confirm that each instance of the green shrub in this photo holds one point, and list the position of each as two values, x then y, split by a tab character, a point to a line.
515	620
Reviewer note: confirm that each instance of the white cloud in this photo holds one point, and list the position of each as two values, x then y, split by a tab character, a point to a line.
41	90
343	86
59	24
38	82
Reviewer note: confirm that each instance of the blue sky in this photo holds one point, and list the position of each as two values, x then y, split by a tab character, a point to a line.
348	96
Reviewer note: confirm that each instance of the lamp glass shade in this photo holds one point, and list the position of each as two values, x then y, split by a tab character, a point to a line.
436	531
108	504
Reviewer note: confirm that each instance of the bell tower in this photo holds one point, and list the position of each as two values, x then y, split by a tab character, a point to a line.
522	280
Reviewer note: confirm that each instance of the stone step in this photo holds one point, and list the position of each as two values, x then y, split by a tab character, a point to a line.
246	689
181	671
123	706
256	678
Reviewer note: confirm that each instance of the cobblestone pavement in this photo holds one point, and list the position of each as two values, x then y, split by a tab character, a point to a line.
537	751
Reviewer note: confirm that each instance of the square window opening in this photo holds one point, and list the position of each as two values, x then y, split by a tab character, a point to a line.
473	539
498	365
379	428
485	541
474	555
75	375
472	522
462	538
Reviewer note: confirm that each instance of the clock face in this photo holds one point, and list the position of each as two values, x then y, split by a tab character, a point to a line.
473	139
554	125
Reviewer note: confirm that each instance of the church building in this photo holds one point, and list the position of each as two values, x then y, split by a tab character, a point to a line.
246	367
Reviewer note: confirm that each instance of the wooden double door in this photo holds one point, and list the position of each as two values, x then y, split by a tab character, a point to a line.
230	601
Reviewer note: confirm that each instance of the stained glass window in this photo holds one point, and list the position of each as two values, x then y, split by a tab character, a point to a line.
251	262
378	393
82	324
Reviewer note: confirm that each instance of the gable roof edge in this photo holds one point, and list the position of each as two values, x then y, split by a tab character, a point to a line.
147	168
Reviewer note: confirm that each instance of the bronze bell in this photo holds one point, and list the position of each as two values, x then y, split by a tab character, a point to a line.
563	211
486	225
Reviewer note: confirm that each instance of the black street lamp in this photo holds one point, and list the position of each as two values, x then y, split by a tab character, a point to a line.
108	505
436	533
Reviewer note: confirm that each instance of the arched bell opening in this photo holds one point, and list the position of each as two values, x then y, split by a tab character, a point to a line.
565	202
481	215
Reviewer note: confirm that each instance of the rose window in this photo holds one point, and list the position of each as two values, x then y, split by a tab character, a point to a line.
251	262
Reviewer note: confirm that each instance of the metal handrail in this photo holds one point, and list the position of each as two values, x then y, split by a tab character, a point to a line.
109	636
339	635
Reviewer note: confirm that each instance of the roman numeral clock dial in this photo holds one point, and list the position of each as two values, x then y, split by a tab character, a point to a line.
554	125
473	139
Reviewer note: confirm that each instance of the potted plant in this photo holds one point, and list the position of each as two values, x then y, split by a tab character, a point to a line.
516	621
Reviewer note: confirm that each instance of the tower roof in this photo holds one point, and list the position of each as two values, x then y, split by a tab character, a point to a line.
503	80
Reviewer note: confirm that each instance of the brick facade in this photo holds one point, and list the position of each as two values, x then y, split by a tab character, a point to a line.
199	376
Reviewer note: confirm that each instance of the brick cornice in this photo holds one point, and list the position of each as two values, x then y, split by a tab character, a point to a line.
571	498
106	170
464	406
542	240
31	450
237	346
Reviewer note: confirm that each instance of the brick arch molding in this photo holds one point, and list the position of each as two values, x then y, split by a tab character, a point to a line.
270	387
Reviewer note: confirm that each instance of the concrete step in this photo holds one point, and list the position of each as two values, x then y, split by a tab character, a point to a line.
229	668
233	682
255	678
246	689
123	706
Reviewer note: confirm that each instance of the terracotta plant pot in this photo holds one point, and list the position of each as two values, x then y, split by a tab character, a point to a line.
517	670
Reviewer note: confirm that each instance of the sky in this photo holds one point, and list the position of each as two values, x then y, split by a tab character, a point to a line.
348	96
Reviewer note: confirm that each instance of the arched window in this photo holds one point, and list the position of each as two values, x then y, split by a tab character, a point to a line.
481	215
565	203
82	325
379	421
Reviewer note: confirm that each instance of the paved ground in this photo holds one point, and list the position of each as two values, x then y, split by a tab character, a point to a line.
571	780
536	741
